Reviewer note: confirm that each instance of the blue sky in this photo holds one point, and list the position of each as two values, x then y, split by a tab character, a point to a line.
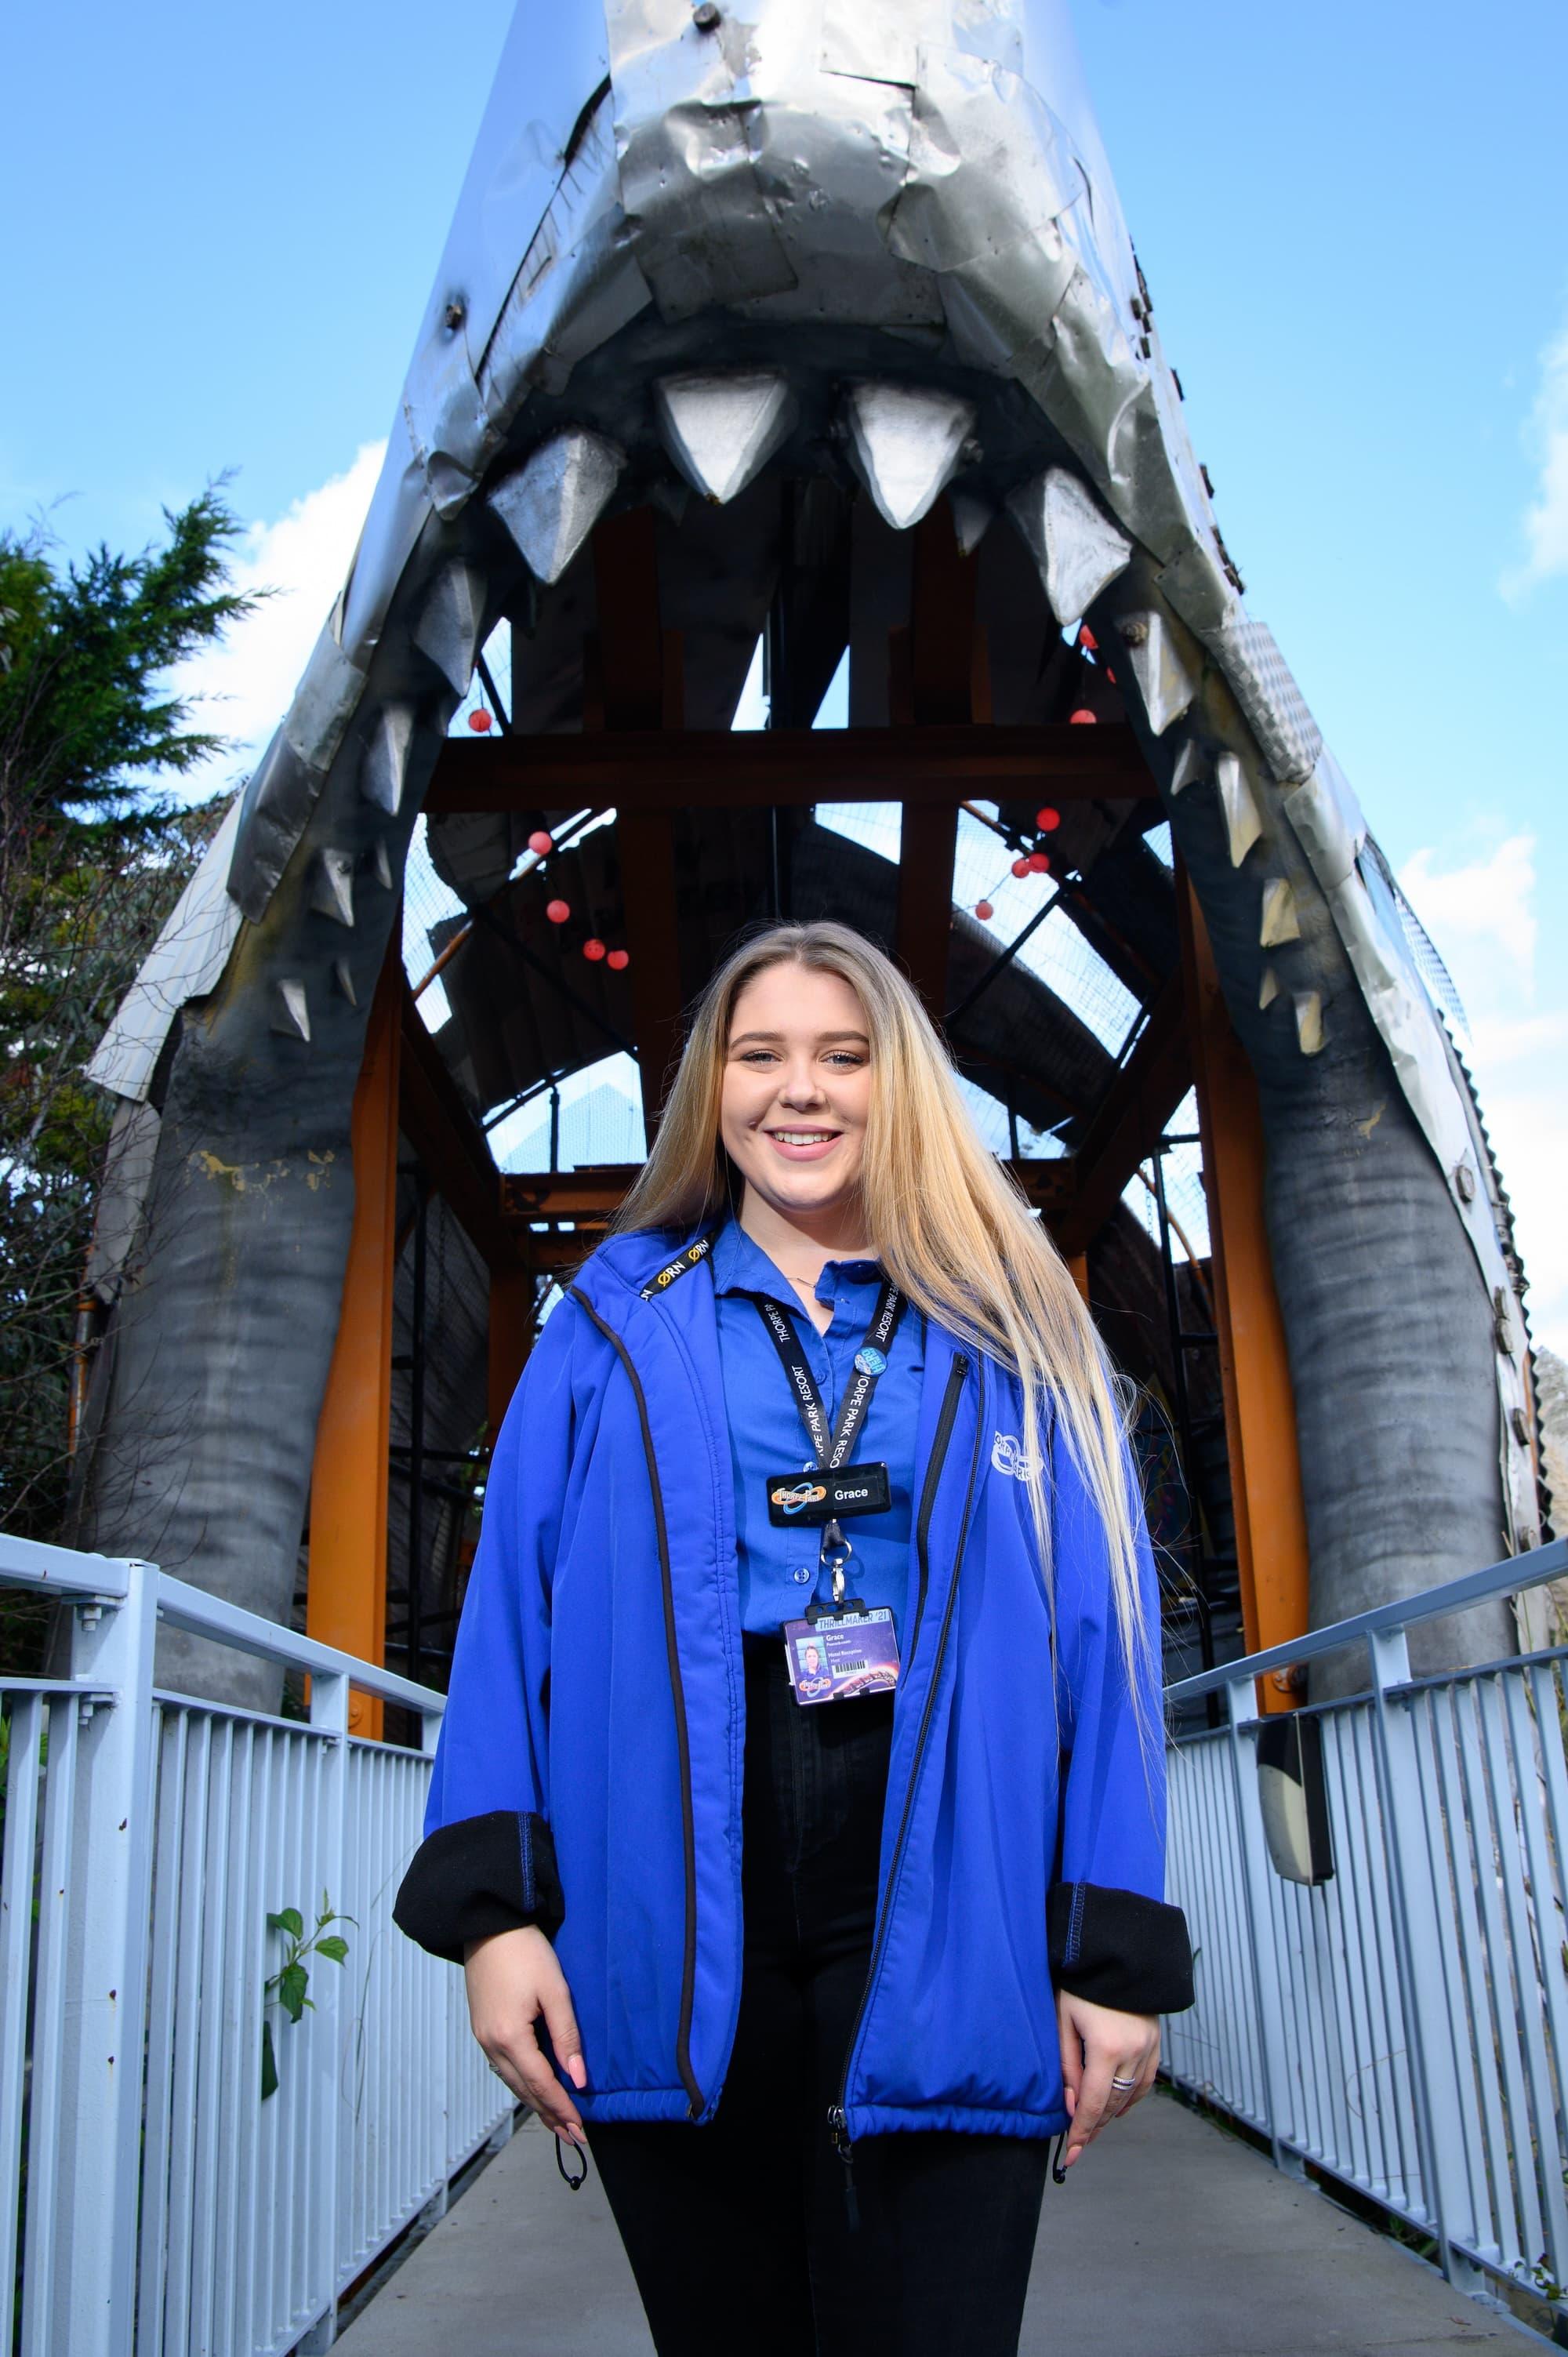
1354	221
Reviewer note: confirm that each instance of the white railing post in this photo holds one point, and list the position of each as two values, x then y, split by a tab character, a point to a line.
105	1967
1420	1939
1242	1698
331	2109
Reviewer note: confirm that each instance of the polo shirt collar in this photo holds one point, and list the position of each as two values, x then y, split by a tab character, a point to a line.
740	1266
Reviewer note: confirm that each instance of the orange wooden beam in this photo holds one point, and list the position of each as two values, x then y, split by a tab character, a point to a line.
347	1587
643	768
1260	1404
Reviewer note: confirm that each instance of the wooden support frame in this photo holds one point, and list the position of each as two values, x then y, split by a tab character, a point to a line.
1260	1404
1125	1128
639	691
346	1593
646	768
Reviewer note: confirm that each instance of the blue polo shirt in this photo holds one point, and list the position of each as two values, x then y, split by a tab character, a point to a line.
779	1568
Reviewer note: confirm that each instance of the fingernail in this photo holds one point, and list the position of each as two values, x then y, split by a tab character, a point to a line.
576	2071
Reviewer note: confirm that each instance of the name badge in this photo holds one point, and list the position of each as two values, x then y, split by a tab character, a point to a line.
840	1655
821	1497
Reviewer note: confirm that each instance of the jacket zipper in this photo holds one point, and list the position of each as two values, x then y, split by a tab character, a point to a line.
683	1737
842	2143
928	1494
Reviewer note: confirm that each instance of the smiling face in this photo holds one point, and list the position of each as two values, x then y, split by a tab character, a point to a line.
797	1091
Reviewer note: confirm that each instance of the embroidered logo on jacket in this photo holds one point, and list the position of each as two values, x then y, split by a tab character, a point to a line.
1007	1456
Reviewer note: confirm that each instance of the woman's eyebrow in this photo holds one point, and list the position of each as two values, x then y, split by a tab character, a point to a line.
822	1036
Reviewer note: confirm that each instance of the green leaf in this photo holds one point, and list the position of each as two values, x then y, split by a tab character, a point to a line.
333	1948
289	1919
269	2062
291	1982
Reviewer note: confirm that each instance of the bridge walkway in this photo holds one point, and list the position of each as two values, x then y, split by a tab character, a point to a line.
1170	2239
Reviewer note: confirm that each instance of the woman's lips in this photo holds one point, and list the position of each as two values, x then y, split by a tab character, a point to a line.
812	1153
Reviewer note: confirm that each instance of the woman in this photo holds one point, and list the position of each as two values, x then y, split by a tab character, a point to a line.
778	1941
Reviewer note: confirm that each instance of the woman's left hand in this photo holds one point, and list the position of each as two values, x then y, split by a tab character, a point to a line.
1100	2045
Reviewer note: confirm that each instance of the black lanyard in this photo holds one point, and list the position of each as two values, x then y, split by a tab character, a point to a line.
679	1266
831	1450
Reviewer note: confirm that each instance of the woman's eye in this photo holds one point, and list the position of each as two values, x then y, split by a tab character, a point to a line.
847	1056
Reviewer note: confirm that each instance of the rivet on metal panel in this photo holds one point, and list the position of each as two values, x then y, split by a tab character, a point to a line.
907	441
1134	631
291	1013
1079	549
456	313
385	762
721	431
1280	921
552	502
332	885
1520	1424
1464	1183
1309	1021
706	17
1504	1324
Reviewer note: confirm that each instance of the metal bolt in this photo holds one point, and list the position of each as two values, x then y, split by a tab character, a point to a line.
1134	632
456	312
1520	1427
705	18
1465	1182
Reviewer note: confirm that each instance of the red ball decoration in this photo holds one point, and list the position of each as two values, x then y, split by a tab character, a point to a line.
1021	866
540	843
480	720
1048	820
1083	718
593	948
984	911
557	911
617	958
1039	862
1088	640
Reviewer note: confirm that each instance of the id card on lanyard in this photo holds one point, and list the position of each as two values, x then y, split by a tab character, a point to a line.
838	1649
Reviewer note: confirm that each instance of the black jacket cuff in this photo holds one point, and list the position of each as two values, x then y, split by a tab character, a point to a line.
1119	1949
480	1875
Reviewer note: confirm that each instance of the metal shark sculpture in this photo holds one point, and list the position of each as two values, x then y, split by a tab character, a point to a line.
869	240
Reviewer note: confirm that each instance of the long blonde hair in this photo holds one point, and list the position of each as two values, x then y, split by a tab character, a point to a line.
951	1228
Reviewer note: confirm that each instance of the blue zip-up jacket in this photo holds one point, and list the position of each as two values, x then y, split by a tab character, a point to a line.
587	1776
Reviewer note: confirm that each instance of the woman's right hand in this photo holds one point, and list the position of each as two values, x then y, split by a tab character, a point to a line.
513	1981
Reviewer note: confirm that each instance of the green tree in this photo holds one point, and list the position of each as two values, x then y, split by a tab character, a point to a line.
95	848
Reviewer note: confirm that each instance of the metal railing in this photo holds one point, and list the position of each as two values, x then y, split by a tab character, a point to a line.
156	2199
1404	2025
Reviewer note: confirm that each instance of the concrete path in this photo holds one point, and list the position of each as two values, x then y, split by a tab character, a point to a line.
1168	2240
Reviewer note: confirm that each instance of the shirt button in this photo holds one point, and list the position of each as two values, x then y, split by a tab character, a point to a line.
802	1576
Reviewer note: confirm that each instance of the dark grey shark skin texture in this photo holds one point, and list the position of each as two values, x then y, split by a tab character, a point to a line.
918	198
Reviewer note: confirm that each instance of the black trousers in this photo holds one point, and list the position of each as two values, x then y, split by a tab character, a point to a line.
739	2233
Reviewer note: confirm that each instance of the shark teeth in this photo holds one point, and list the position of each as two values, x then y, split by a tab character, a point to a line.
450	621
1166	681
1244	819
332	885
291	1010
384	765
907	441
552	502
1079	549
721	431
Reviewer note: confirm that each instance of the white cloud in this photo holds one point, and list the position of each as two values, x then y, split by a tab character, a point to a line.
1483	922
244	686
1476	912
1546	519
